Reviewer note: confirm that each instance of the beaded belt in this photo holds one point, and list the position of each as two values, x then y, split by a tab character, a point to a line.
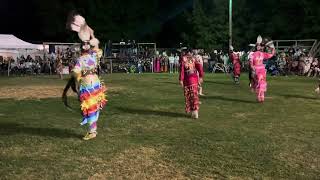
190	72
88	72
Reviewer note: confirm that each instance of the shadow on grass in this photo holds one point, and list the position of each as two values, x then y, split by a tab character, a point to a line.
220	83
14	128
151	112
54	77
297	96
228	99
168	82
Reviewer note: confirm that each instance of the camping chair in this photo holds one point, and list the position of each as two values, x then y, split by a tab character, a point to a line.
227	65
218	67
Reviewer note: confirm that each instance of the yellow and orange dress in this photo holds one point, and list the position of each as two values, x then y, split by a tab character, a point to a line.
92	91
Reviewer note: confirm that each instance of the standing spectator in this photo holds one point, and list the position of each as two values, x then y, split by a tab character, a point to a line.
157	63
213	60
59	68
171	62
176	63
282	63
206	58
165	61
140	66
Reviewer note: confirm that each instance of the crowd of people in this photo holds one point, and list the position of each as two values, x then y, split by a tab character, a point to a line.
291	61
294	61
21	65
52	63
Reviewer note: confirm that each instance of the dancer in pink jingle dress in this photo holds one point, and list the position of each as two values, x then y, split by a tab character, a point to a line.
259	72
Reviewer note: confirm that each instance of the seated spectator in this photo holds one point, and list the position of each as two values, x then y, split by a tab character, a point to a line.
314	69
282	63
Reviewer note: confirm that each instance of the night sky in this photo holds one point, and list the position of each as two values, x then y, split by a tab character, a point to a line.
21	18
18	17
202	23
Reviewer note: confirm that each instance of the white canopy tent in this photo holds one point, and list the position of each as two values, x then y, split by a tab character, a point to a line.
9	53
11	46
9	41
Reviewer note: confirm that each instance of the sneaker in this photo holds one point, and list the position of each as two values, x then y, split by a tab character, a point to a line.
202	94
89	136
317	90
194	115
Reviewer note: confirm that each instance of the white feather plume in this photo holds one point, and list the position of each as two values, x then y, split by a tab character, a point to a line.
94	42
84	34
259	39
78	24
75	28
79	20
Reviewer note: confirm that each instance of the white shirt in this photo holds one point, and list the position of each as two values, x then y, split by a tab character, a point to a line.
171	59
199	59
176	59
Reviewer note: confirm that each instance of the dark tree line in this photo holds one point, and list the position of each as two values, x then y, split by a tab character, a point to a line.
198	23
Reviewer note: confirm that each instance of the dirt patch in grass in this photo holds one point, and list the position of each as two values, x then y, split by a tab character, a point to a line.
297	158
47	150
40	92
31	92
141	163
242	115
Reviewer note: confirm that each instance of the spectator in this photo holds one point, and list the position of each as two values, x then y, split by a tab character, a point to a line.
314	69
171	62
282	63
213	60
176	63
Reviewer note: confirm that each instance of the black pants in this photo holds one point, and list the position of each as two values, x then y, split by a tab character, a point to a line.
250	75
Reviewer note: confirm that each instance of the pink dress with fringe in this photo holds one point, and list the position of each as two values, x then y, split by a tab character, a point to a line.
260	82
190	72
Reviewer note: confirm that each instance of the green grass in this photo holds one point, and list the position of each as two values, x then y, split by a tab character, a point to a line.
144	133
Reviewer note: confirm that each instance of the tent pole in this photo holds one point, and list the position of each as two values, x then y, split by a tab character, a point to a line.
9	64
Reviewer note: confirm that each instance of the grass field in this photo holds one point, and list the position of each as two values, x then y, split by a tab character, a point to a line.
144	133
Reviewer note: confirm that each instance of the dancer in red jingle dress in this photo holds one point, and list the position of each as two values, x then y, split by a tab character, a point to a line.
235	58
189	80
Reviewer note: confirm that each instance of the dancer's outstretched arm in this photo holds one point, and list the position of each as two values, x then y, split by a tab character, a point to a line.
269	55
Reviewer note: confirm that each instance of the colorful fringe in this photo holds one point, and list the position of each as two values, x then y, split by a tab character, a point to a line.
93	99
191	98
